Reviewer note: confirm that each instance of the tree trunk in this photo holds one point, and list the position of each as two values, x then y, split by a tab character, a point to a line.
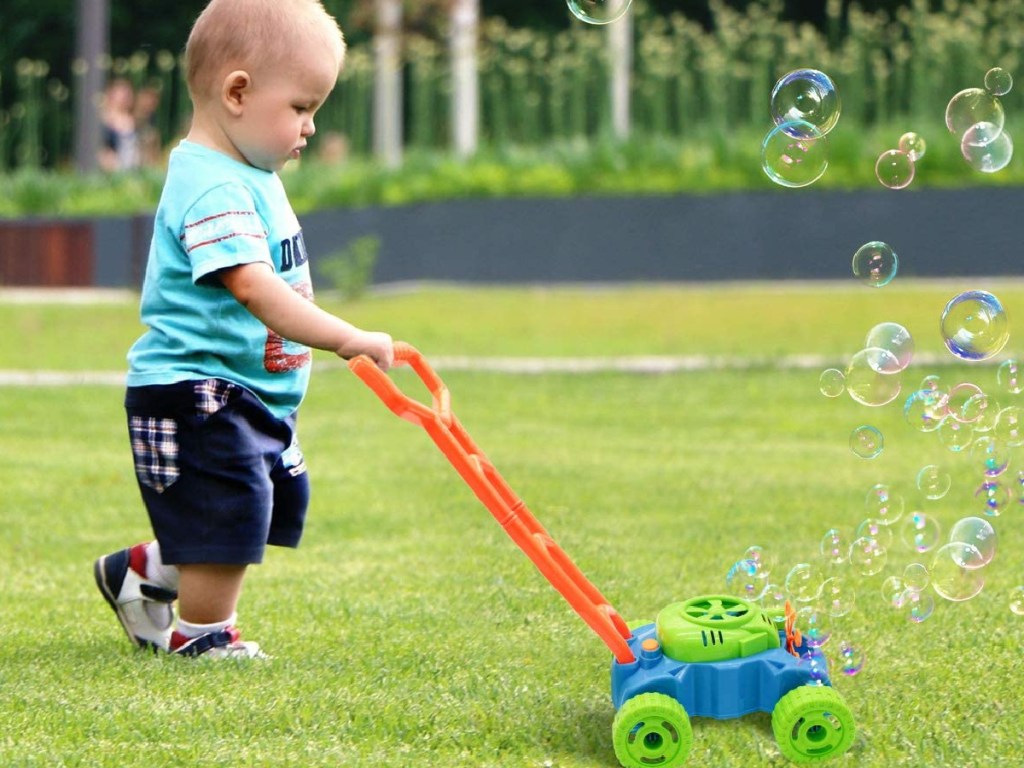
465	100
387	92
92	36
620	56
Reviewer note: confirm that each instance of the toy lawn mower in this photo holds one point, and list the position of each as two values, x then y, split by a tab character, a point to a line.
710	656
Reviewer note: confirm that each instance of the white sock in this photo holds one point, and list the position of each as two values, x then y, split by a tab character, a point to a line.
165	576
190	630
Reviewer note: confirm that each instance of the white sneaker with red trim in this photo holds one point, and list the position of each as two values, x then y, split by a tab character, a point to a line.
223	644
145	610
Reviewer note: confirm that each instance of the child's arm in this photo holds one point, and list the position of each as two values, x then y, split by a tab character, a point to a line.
281	309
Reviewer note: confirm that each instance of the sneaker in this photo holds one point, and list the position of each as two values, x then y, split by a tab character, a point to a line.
144	609
224	644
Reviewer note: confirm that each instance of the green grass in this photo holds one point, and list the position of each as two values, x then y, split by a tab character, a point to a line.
745	320
407	630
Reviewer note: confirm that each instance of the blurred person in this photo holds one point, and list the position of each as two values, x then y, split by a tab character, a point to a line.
147	102
333	149
119	150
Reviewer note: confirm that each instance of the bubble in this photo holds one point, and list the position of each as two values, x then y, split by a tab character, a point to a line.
875	263
994	496
974	325
866	441
1009	427
989	157
955	435
598	11
883	505
832	382
745	580
894	338
815	624
872	377
834	546
918	605
987	451
814	664
977	412
925	409
1008	377
838	596
933	481
806	95
876	529
761	556
980	534
920	532
794	154
913	145
975	106
893	590
867	555
933	383
915	577
803	582
851	659
957	400
894	169
998	81
950	578
1017	600
773	601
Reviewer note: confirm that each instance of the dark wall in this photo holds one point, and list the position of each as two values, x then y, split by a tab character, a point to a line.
743	236
791	234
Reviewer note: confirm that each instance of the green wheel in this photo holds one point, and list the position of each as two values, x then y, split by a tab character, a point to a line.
652	729
811	723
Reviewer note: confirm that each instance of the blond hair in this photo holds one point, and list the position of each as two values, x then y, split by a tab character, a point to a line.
245	34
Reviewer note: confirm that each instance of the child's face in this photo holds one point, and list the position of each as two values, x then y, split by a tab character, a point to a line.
278	108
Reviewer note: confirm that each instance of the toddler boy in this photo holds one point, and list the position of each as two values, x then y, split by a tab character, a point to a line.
215	381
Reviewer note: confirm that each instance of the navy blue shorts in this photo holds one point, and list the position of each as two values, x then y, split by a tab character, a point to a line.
220	475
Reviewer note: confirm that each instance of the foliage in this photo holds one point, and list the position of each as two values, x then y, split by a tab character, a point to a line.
705	163
47	193
544	86
350	270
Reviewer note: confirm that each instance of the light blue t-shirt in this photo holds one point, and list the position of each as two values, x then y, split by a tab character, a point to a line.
216	212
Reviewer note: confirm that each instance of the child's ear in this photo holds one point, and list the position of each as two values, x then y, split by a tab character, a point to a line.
235	89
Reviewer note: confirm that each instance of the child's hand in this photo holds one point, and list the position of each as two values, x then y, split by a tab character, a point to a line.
376	345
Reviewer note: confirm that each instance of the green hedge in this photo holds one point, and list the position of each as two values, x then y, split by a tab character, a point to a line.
711	162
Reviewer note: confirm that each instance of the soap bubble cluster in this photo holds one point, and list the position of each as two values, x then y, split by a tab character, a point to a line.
896	168
976	117
805	106
903	547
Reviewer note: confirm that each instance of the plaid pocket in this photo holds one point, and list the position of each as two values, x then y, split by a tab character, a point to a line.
155	448
212	395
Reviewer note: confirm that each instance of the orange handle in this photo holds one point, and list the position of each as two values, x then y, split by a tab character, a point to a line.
402	405
508	509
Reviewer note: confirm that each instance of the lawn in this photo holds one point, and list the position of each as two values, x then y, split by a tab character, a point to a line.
409	631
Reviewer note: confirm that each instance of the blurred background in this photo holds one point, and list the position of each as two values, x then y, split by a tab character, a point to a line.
443	100
537	74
